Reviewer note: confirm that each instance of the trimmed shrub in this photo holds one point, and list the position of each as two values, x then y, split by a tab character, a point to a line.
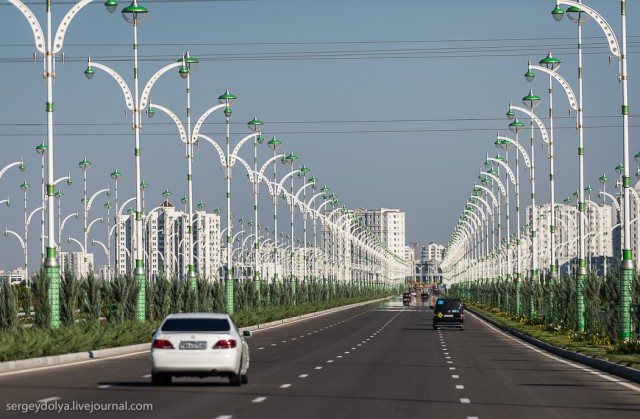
8	306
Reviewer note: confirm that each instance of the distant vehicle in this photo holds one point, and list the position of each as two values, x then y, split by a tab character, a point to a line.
448	312
406	298
199	345
424	296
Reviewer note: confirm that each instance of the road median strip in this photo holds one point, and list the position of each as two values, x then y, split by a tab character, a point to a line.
48	361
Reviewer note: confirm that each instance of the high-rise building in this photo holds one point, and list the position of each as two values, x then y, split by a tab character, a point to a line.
388	224
79	263
166	245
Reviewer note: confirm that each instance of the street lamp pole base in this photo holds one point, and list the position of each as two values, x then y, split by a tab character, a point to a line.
626	279
52	271
228	290
141	305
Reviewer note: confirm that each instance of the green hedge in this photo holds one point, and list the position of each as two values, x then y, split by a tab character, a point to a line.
23	343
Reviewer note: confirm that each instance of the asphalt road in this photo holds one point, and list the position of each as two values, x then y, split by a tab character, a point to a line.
382	361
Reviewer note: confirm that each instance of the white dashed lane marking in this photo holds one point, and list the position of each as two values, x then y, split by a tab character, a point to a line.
258	400
285	386
465	401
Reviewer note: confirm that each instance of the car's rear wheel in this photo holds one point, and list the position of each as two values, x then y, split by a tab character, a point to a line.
235	380
245	379
160	379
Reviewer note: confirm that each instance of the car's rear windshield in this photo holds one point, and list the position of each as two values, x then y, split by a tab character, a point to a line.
448	304
196	325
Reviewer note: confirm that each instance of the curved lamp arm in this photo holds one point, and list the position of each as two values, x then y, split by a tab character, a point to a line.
264	166
147	217
506	167
608	32
65	178
486	204
480	210
234	155
573	102
94	242
128	97
144	98
113	227
221	154
543	129
38	35
106	190
613	199
174	117
7	232
93	222
71	239
9	166
75	214
123	206
33	213
525	155
205	115
293	172
306	185
497	180
64	24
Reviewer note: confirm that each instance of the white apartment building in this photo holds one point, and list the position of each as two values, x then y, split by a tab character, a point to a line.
388	224
166	248
15	276
432	252
598	242
79	263
207	243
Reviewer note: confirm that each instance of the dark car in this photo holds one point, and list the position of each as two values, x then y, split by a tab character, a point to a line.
448	312
406	298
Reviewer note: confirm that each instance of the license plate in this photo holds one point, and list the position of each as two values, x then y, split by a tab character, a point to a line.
448	315
193	344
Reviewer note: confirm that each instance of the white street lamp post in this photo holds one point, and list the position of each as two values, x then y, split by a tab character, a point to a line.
135	14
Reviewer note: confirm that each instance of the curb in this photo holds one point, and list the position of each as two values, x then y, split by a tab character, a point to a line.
48	361
612	368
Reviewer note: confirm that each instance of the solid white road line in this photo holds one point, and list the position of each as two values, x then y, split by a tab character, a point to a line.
70	364
613	379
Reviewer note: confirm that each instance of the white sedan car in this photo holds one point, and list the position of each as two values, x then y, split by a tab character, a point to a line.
199	345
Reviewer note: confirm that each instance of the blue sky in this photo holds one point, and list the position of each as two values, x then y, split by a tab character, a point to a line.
390	103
